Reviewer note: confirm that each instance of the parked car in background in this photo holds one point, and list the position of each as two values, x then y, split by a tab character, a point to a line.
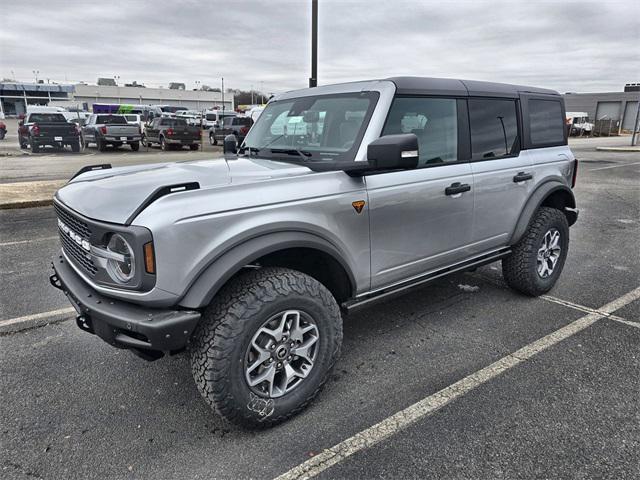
171	132
135	119
192	117
254	113
168	110
3	130
579	123
236	126
114	130
41	129
213	118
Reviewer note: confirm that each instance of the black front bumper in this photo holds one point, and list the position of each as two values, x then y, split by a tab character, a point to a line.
148	331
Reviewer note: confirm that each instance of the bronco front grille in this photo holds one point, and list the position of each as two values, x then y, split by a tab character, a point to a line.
76	253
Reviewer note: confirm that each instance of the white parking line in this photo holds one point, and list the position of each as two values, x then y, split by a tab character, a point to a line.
613	166
20	242
36	316
403	419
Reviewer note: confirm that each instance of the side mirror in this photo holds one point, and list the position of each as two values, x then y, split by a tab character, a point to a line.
393	152
230	144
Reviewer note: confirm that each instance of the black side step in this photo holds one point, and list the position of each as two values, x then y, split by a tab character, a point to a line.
161	192
356	303
91	168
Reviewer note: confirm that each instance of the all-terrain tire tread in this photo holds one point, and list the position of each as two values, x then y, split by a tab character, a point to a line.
223	322
517	268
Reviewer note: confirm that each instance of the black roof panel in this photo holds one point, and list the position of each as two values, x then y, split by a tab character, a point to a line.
449	86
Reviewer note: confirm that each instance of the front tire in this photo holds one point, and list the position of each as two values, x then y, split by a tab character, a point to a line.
35	148
135	146
537	259
75	146
101	145
194	146
163	144
265	346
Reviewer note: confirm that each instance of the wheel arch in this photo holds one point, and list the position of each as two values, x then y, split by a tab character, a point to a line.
554	194
300	251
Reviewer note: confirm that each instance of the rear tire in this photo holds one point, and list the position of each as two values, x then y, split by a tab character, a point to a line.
101	145
194	146
163	144
537	259
212	140
232	330
135	146
75	146
35	148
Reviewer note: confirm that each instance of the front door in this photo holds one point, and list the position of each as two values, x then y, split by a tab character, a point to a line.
421	219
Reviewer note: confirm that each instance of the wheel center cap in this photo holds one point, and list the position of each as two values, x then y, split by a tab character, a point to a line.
282	352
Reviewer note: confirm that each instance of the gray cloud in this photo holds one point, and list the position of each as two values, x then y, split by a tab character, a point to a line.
569	46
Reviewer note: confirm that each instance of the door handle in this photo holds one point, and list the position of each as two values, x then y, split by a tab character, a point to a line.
522	177
456	188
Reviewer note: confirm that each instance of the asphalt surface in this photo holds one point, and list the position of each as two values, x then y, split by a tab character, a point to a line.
73	407
51	164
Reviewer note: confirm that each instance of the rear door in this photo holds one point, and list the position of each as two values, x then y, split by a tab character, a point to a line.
421	219
502	173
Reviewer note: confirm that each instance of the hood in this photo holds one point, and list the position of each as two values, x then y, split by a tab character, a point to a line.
113	195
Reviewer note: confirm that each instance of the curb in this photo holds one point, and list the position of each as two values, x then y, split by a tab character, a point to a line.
26	204
618	149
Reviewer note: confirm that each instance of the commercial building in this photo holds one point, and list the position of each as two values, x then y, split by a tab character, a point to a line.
15	96
190	99
620	107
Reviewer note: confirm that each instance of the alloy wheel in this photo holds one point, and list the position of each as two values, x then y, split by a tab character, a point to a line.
548	253
281	353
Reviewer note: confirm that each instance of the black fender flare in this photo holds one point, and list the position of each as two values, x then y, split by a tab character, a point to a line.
218	272
536	199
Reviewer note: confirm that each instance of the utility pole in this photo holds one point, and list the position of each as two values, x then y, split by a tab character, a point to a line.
313	81
223	96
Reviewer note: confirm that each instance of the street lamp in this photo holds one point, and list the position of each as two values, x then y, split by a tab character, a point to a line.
116	78
313	81
35	74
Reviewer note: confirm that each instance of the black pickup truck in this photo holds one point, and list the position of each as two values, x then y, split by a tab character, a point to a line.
236	126
171	132
40	129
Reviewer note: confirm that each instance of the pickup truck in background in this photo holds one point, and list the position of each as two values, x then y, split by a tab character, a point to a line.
171	132
106	129
236	126
41	129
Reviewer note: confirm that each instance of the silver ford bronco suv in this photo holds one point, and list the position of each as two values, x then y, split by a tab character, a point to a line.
339	196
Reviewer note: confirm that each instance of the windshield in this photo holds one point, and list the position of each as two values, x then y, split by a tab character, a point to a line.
325	128
47	118
111	120
173	122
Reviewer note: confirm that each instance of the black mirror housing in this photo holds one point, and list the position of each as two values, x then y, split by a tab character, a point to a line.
393	152
230	144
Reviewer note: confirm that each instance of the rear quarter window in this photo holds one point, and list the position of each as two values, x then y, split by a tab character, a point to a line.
546	122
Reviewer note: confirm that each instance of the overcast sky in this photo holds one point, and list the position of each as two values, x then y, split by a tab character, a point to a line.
565	45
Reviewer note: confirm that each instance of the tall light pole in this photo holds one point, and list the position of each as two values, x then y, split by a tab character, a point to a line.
223	96
35	74
313	81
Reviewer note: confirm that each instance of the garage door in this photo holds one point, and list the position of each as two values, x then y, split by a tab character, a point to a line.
608	111
629	116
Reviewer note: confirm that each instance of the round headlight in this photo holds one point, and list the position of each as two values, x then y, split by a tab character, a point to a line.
122	267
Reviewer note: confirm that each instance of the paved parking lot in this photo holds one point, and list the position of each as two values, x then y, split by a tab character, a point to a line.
468	379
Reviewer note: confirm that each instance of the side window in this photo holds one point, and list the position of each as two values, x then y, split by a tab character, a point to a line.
494	128
433	120
545	122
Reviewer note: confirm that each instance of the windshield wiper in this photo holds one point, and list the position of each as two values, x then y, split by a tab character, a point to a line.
293	151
